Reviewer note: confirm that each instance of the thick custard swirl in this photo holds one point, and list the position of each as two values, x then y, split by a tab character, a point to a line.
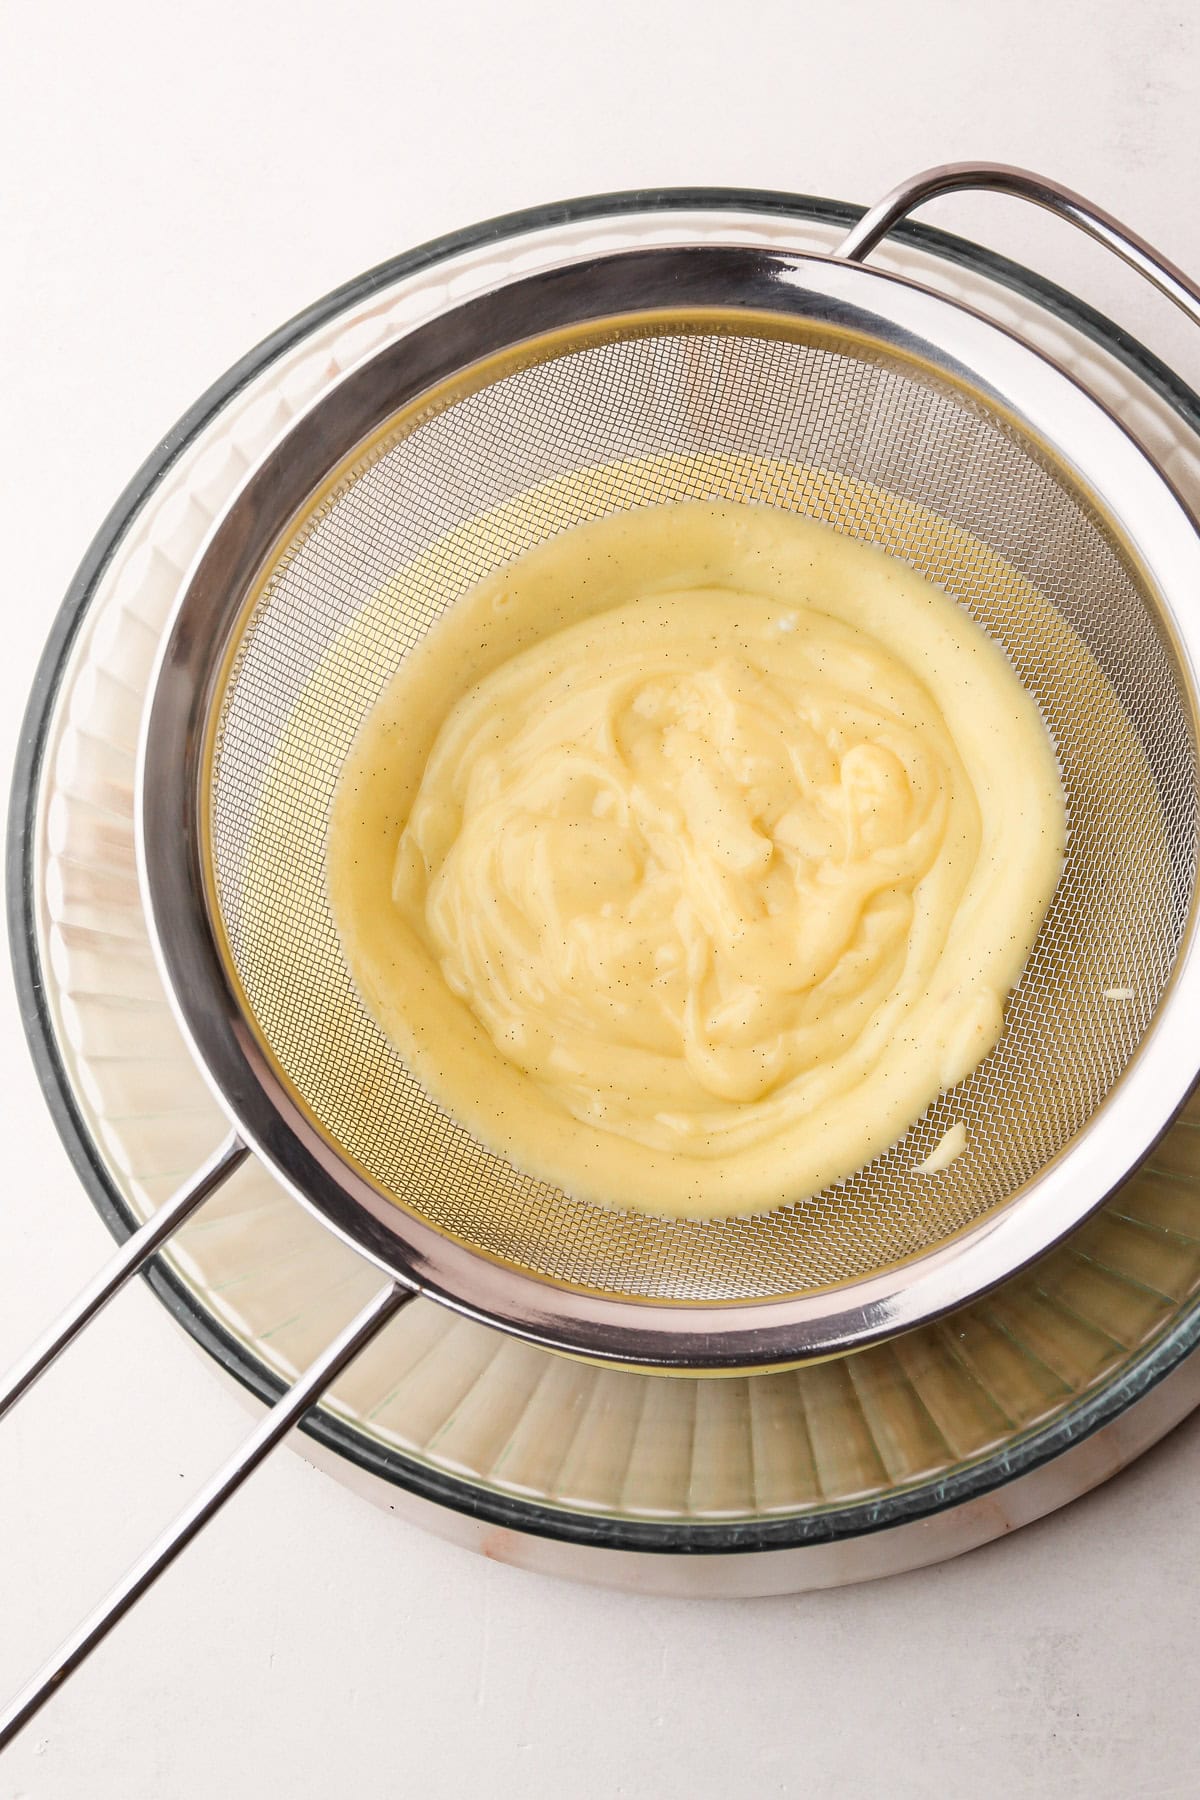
715	863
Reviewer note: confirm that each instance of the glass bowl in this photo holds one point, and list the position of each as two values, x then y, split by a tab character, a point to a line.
906	1452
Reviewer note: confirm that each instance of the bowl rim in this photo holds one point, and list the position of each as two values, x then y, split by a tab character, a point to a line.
920	1500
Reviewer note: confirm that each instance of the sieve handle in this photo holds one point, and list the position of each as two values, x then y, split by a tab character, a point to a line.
1023	184
277	1423
134	1252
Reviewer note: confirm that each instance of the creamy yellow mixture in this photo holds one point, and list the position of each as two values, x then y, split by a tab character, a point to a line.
948	1148
691	855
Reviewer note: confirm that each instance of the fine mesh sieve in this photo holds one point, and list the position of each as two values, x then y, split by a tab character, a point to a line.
631	380
636	380
634	416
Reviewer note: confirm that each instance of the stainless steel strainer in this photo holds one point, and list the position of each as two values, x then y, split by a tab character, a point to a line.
637	379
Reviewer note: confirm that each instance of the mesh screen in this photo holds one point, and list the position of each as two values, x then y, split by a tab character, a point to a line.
877	449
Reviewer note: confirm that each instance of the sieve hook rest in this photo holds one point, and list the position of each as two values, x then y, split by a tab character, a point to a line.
1022	184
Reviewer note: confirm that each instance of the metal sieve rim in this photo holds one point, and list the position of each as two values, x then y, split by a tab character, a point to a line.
1077	432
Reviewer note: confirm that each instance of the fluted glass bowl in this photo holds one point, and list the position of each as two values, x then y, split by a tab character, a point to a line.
496	1429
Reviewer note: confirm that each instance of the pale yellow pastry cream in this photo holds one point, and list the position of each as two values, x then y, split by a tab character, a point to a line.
948	1149
689	856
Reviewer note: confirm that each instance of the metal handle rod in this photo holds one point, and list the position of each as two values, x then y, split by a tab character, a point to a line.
1003	178
135	1251
274	1426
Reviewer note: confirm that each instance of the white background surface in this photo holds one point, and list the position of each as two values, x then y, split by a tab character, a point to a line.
177	181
